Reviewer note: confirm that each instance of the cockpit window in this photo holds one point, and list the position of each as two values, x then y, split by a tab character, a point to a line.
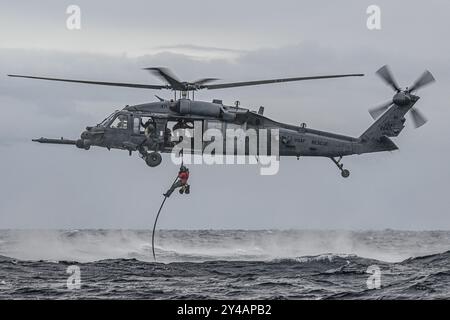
105	122
121	122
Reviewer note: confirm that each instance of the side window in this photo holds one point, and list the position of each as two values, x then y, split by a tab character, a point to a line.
121	122
136	125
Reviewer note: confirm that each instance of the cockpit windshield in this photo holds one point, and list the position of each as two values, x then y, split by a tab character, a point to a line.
106	121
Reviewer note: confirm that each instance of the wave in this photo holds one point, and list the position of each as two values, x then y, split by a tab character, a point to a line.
327	261
221	264
300	246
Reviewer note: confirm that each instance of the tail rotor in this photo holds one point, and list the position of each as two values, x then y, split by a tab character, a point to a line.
403	97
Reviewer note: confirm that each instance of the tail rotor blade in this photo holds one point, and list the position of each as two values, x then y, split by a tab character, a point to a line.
379	110
425	79
385	73
418	118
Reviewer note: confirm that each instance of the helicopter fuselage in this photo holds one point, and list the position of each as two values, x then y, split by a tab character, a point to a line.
126	130
293	140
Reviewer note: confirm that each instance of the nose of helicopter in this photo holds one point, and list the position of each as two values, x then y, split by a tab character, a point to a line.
85	135
91	136
85	139
91	133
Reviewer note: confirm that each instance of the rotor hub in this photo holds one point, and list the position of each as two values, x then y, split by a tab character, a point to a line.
402	98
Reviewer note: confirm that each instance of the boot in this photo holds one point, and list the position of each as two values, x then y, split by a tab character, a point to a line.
168	193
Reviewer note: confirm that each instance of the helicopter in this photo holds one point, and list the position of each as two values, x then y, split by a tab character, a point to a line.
148	128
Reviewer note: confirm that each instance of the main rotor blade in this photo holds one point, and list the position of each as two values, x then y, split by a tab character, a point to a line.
418	118
379	110
258	82
385	73
425	79
166	75
115	84
204	80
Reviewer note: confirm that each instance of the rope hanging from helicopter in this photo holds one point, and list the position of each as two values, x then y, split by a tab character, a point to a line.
156	221
179	181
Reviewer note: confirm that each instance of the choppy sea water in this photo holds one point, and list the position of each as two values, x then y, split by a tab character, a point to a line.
224	264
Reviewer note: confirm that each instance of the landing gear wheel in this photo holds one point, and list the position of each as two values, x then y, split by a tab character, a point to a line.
153	159
345	173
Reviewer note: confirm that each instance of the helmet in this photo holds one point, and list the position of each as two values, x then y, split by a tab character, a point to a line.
183	168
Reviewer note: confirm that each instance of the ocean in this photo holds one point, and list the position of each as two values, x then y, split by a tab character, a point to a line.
224	264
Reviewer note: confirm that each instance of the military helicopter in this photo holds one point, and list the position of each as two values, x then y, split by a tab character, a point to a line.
127	129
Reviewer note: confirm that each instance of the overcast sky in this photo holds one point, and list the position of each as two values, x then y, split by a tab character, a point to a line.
46	186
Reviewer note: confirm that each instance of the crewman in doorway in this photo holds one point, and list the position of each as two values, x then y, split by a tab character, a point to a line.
149	127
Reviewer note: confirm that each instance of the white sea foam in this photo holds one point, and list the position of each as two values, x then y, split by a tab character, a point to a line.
203	245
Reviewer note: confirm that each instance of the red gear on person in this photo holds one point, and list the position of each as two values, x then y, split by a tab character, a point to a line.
183	176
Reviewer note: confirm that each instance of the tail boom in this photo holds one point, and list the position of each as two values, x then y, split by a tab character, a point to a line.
390	124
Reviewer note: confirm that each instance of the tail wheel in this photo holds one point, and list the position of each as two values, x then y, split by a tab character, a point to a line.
153	159
345	173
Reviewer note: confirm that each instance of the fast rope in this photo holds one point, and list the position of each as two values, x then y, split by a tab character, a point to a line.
156	220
